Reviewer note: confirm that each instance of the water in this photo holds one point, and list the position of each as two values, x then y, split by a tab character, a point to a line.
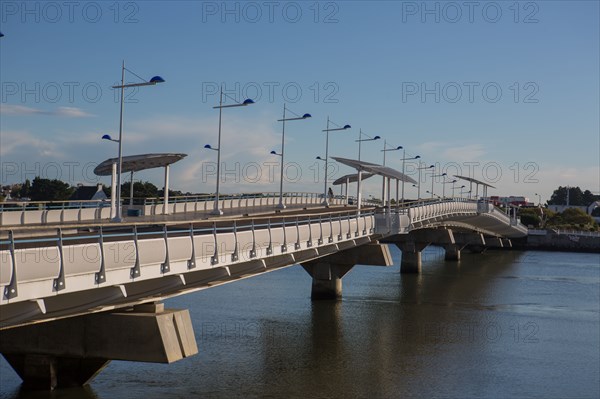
498	325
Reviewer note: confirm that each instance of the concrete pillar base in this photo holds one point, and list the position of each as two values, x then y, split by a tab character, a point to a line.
452	252
44	372
411	262
70	352
326	289
327	272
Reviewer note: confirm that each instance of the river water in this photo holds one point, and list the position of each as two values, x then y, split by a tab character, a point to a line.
504	324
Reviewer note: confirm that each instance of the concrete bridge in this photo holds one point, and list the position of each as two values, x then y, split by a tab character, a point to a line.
77	294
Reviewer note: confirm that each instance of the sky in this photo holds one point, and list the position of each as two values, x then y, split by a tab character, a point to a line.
502	91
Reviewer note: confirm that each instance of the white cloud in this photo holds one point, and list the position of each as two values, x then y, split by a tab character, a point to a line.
67	112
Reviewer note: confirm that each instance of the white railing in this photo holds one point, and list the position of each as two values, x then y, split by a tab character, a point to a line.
44	267
28	213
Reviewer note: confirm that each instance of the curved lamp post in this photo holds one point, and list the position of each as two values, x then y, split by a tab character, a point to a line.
383	186
420	169
345	127
123	86
283	120
216	211
444	186
433	176
403	160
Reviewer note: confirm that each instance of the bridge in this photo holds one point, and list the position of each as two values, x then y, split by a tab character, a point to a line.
78	291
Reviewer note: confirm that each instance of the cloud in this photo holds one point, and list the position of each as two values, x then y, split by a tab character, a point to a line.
464	153
14	141
66	112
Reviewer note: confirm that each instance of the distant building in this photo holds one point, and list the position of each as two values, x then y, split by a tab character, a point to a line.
89	193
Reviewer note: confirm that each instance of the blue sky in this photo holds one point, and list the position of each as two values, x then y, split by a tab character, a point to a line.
507	92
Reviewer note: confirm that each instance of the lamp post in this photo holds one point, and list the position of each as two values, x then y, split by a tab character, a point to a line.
433	176
404	159
216	210
455	188
539	199
444	186
123	86
359	171
283	120
360	140
383	186
345	127
420	169
113	182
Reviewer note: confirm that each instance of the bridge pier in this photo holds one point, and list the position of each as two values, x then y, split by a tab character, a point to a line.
327	272
71	352
452	252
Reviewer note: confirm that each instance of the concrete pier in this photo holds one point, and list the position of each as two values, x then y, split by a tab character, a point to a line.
327	272
452	252
70	352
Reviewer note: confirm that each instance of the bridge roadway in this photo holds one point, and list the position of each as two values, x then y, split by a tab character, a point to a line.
76	295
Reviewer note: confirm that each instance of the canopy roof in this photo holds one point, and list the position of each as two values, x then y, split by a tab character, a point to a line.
352	178
470	179
376	169
135	163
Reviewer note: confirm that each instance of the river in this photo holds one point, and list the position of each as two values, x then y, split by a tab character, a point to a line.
504	324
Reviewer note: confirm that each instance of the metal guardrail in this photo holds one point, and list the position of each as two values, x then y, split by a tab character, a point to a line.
12	214
33	268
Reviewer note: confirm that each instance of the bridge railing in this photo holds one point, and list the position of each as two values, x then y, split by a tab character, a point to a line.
27	213
62	262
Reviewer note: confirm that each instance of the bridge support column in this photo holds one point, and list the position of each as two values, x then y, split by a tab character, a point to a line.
70	352
411	256
452	252
327	272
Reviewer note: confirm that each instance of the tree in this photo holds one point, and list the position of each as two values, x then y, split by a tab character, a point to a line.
25	189
576	196
50	190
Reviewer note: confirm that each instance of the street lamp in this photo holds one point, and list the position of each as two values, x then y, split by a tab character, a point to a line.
403	160
459	189
283	120
216	210
123	86
383	186
420	169
539	199
113	181
433	176
360	140
345	127
444	186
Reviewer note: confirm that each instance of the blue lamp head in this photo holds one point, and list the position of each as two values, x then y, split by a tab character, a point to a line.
157	79
273	153
319	158
208	146
431	166
248	101
347	126
306	116
444	174
106	137
417	157
1	34
399	147
376	137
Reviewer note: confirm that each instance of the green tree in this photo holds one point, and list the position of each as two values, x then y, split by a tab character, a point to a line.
576	196
50	190
25	189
